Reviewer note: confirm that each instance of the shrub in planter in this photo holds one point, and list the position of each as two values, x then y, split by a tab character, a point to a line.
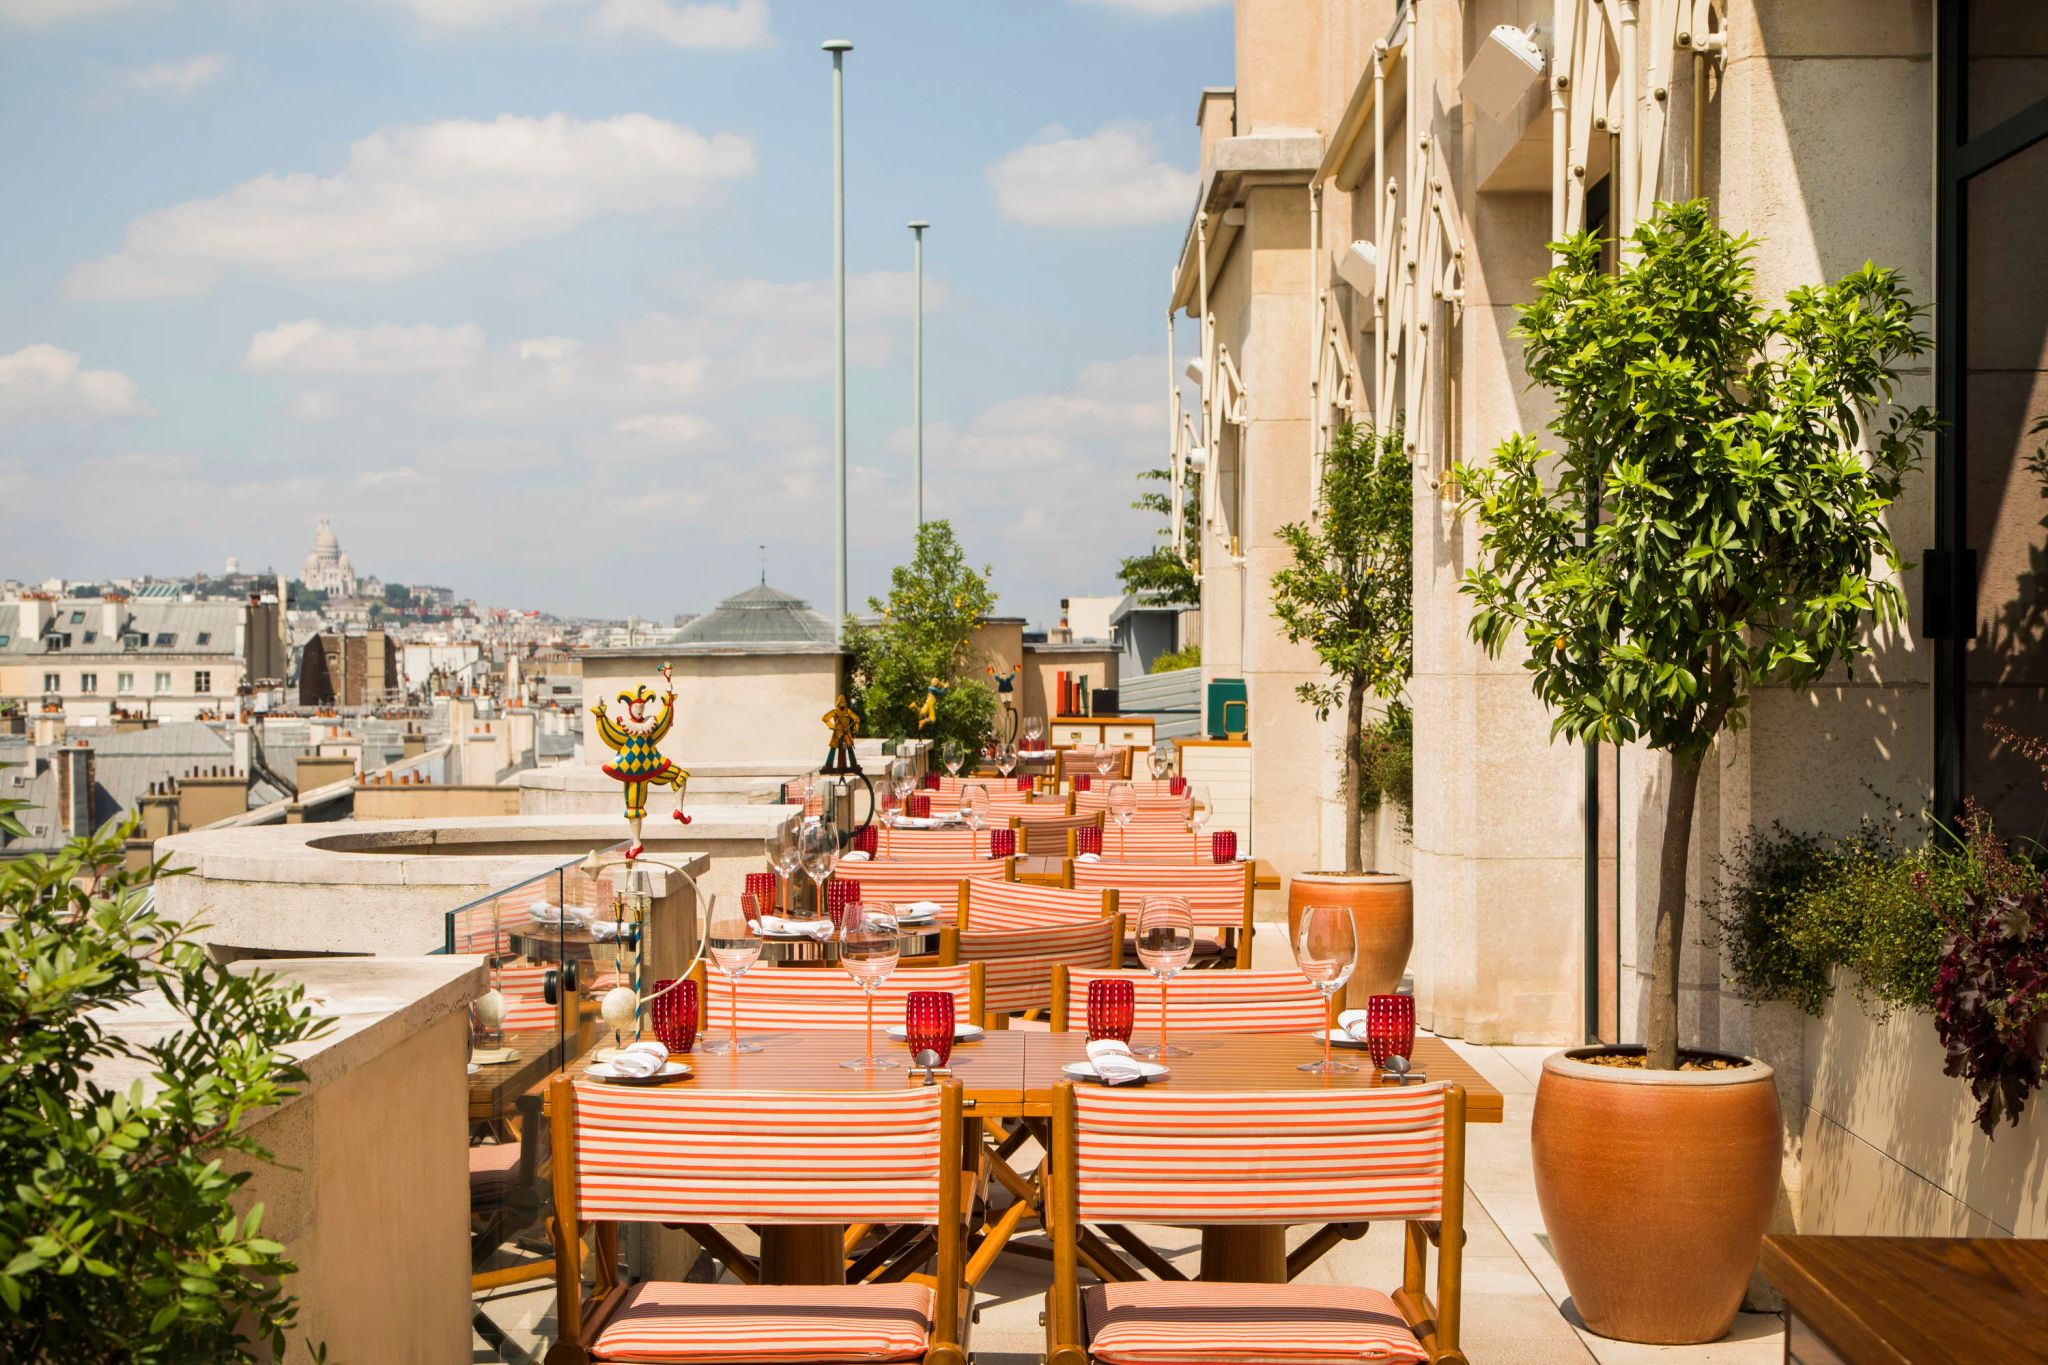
1991	1000
923	630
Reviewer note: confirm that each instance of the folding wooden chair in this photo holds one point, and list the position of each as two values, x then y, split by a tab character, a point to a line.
1211	1002
1020	905
1339	1158
781	1001
1019	964
1053	834
1221	894
699	1158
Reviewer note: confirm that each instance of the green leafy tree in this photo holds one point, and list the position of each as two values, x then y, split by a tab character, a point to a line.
118	1237
1349	593
1162	572
923	631
1736	464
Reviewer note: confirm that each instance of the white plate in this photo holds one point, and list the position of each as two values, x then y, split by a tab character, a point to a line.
1339	1038
605	1072
962	1033
1085	1071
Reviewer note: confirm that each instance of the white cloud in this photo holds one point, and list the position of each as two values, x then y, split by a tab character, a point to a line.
175	79
47	383
666	428
35	13
312	347
448	16
730	27
1109	178
1162	7
413	198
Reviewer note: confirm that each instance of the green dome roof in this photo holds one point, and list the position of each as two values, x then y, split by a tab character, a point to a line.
760	615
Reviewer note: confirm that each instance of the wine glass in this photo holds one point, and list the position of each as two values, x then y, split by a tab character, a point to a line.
1105	759
1033	728
1166	940
1326	949
1123	805
806	788
953	753
818	851
1006	758
733	946
974	808
1199	811
780	846
869	953
1161	759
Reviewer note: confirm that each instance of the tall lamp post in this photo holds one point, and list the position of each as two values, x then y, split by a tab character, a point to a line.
839	47
917	364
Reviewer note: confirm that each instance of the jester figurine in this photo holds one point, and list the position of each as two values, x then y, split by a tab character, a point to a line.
928	709
1006	693
634	737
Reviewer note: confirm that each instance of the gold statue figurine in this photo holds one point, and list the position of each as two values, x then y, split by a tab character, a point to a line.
633	737
844	723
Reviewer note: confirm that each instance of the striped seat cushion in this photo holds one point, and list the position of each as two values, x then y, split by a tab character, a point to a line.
739	1156
661	1321
799	1000
1221	894
1211	1002
1169	1323
1022	905
1017	963
1292	1156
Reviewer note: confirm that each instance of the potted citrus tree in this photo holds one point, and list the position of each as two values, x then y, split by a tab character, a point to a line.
1348	593
1735	464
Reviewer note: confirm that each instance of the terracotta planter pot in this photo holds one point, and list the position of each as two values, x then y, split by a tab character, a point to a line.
1656	1189
1382	908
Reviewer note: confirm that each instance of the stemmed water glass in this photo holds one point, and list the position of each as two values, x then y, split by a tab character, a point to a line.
781	848
1199	812
730	940
1166	940
1123	804
818	851
1033	728
869	952
974	809
953	753
1326	948
1006	758
1161	759
1105	759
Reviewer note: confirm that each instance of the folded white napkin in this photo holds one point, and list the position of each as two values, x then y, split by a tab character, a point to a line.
857	856
605	930
1353	1023
557	914
820	929
919	909
1113	1062
1089	858
641	1059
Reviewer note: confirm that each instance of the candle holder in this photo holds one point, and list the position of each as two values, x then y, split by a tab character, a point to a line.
674	1008
1389	1027
1002	843
1112	1009
1088	839
840	892
928	1024
1223	846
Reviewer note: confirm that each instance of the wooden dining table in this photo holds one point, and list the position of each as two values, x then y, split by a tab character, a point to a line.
1011	1074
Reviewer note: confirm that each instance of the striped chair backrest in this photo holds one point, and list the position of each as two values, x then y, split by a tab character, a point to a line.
1157	844
1289	1156
524	986
929	845
890	881
1017	964
484	929
1204	1002
1067	762
1221	893
1023	905
772	1156
1170	811
804	1000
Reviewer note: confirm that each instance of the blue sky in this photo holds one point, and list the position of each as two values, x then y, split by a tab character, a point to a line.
532	296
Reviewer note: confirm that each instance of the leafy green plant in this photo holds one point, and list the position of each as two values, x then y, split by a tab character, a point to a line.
119	1240
1162	571
1348	592
923	631
1173	659
1386	763
1736	464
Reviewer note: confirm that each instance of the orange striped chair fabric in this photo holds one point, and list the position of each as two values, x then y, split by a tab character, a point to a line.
1169	812
1220	893
1022	905
670	1321
1157	844
523	984
930	845
1066	763
1149	1322
799	1000
893	881
1018	964
485	930
1205	1002
766	1156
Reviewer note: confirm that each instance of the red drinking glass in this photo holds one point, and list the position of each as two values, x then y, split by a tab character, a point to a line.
840	892
1082	781
1177	786
1002	843
761	884
1223	846
1027	784
1088	839
1112	1009
931	782
675	1014
917	807
1389	1027
864	839
928	1023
